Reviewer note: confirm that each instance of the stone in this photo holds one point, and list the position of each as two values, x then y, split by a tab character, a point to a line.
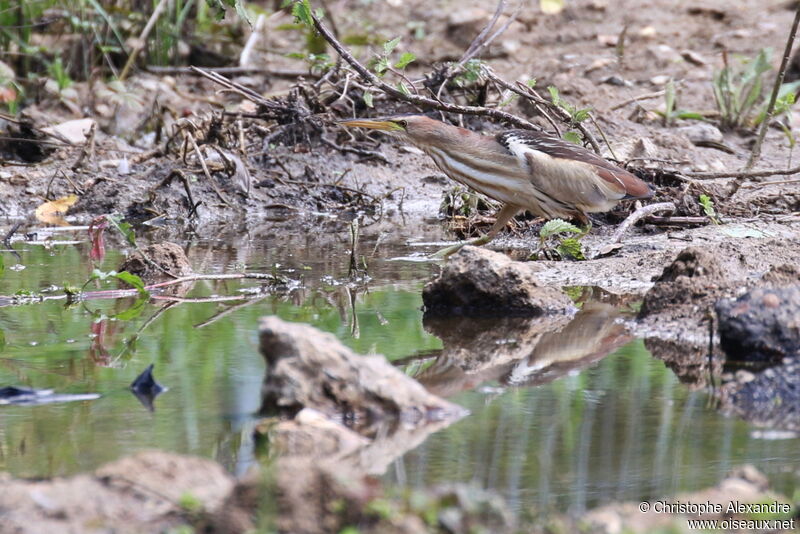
169	256
693	57
480	282
139	493
761	325
702	133
307	368
696	278
74	131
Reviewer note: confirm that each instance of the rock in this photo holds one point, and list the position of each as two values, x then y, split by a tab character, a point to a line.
762	325
169	256
743	485
307	368
311	433
74	131
687	357
660	79
769	398
702	133
480	282
782	275
697	277
693	57
139	493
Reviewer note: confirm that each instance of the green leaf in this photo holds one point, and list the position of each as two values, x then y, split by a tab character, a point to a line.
2	266
580	115
571	248
553	90
690	115
381	65
405	59
389	46
557	226
708	208
134	311
403	89
573	137
368	99
242	12
302	12
124	228
133	281
531	83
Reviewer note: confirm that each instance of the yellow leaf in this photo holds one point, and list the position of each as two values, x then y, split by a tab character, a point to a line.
551	7
52	212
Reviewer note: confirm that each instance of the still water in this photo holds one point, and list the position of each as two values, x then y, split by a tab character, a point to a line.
598	429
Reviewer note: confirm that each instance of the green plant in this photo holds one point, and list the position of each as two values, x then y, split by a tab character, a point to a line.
708	208
576	115
670	113
59	73
385	62
740	91
555	243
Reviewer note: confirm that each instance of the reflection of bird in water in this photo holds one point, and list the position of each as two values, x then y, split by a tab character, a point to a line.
518	351
592	334
525	170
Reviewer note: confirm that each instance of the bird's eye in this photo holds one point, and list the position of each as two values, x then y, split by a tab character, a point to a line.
403	123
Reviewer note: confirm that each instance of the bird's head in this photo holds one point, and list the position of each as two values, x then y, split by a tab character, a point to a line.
418	129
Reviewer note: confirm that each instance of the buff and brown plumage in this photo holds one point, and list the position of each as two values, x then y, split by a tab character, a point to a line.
525	170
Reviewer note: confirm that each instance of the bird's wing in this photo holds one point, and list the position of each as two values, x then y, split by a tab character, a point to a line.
525	143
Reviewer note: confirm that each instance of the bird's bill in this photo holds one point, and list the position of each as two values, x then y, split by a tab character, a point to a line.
372	124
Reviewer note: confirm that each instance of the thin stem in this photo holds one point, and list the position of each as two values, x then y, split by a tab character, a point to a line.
414	99
787	52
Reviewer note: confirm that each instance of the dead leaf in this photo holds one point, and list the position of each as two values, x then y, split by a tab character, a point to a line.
53	212
551	7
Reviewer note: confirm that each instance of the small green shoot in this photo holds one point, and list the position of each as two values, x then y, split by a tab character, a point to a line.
189	502
59	73
576	115
708	208
740	91
565	247
470	74
383	63
122	227
670	112
368	99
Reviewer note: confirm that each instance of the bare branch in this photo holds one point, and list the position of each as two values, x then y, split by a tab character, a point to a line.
415	99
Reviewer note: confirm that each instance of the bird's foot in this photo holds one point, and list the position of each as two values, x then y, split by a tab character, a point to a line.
452	249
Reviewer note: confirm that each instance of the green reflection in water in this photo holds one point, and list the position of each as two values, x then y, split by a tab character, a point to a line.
625	429
214	372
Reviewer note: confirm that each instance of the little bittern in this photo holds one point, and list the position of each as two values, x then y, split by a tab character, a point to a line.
525	170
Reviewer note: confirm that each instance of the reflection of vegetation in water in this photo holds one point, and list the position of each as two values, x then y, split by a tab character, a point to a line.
214	372
622	430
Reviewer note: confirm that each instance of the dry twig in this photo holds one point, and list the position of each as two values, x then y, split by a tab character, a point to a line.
419	100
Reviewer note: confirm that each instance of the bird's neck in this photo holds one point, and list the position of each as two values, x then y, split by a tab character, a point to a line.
464	144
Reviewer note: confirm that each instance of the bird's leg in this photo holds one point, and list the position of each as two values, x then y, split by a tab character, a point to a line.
503	216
